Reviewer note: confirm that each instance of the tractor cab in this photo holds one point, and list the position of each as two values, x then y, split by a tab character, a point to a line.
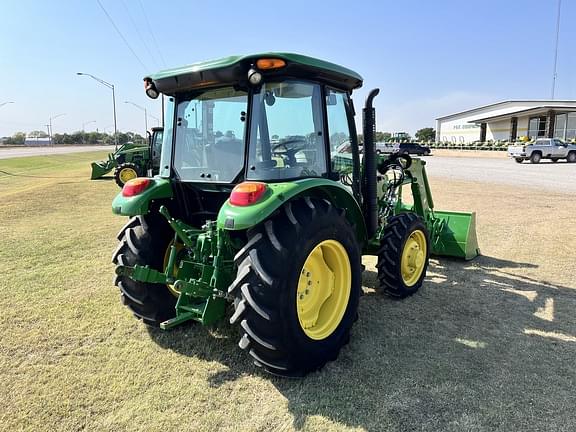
155	145
261	118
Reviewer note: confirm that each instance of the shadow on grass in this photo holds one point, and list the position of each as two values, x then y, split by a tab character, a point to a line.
479	347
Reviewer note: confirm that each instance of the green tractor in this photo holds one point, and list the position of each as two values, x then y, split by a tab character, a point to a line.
264	202
132	160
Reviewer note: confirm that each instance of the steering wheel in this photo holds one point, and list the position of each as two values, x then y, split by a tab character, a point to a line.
290	151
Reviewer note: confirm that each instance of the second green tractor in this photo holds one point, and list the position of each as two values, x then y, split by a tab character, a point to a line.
132	160
263	202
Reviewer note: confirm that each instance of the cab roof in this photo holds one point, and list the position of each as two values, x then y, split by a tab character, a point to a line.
234	69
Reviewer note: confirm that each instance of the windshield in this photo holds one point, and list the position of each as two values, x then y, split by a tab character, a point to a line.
210	136
287	132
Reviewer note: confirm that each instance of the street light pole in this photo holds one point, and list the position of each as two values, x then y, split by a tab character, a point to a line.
145	115
110	86
155	118
88	122
83	132
50	126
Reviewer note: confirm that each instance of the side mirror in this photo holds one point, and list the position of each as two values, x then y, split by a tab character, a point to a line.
331	99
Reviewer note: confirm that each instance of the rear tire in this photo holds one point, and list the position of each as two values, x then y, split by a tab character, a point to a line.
125	172
571	158
403	256
535	158
143	241
267	289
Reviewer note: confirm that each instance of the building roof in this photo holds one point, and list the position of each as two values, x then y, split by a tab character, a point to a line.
510	106
524	112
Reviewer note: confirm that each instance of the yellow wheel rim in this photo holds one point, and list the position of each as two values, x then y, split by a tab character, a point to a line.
413	258
127	174
179	247
323	289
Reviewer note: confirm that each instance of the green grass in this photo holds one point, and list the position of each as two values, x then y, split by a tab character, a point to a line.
485	345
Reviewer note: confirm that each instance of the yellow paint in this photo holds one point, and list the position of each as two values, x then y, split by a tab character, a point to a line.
127	174
413	258
323	289
179	247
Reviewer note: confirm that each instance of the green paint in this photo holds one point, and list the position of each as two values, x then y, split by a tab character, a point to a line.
451	233
280	193
204	273
234	68
158	188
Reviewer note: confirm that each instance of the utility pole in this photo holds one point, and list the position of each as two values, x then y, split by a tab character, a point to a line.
556	49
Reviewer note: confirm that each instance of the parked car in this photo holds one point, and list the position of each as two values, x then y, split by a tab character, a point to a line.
384	148
543	148
411	148
402	148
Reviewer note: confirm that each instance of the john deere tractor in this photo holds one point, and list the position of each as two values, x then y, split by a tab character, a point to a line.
264	202
132	160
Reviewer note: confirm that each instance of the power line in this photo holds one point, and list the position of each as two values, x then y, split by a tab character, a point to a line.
152	33
152	56
121	35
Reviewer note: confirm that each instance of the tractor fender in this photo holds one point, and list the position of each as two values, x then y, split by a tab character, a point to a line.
237	218
158	188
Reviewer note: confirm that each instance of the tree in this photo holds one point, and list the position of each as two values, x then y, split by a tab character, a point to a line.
382	136
426	134
17	138
37	134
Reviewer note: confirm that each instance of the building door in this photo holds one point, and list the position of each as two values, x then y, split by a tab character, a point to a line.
513	128
482	132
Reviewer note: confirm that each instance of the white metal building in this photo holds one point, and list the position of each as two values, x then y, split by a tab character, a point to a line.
509	120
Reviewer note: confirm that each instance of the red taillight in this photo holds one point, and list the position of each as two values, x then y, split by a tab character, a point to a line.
247	193
135	186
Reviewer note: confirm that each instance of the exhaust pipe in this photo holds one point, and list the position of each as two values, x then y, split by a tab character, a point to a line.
370	202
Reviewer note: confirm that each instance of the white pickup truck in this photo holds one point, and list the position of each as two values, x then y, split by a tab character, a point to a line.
543	148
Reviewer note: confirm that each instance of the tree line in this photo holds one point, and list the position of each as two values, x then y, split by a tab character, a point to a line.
422	135
77	137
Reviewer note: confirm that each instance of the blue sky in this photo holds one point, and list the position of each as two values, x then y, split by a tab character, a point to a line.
429	58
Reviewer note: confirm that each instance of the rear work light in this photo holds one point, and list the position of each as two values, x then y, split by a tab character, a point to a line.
247	193
135	186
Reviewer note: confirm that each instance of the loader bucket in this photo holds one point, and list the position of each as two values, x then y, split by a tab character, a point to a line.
454	234
100	168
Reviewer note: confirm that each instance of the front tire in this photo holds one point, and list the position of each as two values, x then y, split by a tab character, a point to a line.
571	158
143	241
519	160
403	256
126	172
297	287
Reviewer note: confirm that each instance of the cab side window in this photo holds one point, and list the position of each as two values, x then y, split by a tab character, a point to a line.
339	131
